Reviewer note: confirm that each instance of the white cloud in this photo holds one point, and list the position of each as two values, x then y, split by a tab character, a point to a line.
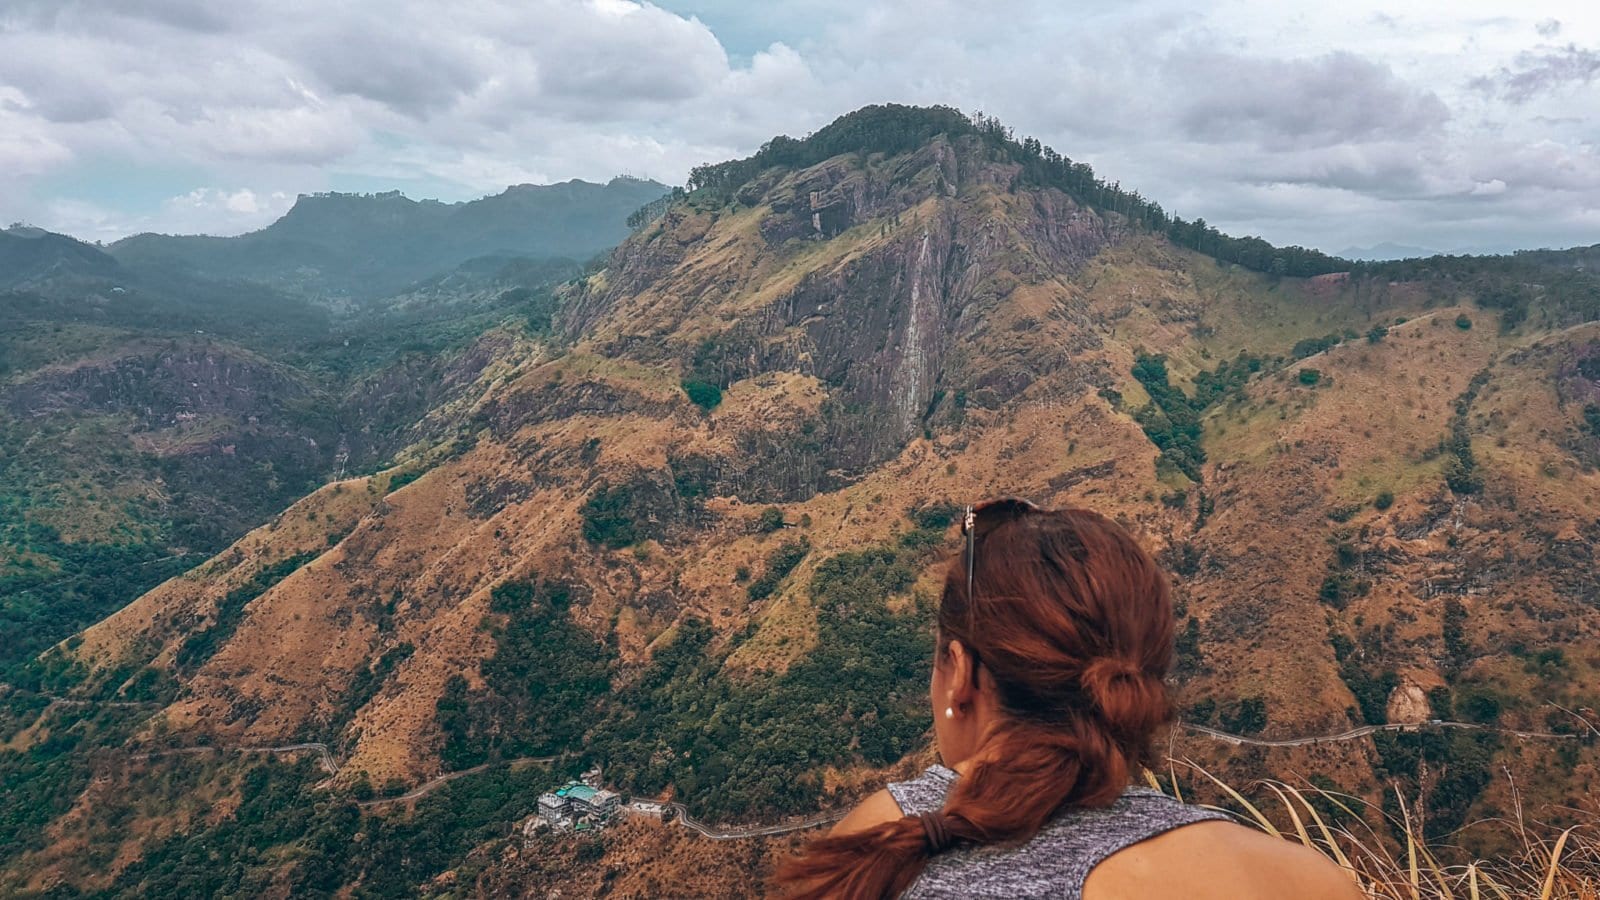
1258	116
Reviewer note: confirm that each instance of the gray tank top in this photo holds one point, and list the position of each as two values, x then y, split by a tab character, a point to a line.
1056	861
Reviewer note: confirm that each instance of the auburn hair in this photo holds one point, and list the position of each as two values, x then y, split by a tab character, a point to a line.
1072	622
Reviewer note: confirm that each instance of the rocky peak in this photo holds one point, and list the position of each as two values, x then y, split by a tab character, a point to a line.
866	270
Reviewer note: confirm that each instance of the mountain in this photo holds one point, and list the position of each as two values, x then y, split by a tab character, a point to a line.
150	415
1387	250
29	255
686	523
368	246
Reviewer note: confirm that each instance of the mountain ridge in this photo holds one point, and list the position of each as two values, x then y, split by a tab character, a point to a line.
367	245
700	512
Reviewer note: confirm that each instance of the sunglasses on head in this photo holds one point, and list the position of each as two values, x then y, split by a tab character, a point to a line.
984	518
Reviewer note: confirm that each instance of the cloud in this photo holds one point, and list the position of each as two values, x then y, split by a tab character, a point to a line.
242	201
1537	73
1317	124
1331	99
26	145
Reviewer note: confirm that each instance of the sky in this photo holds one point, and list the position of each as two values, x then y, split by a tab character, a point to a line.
1458	126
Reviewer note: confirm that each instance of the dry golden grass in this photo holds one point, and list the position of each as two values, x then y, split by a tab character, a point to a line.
1397	863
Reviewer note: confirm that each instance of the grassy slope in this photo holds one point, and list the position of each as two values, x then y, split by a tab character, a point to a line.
437	549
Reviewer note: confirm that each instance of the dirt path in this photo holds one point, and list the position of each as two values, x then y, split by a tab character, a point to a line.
731	833
323	754
429	786
750	831
1366	730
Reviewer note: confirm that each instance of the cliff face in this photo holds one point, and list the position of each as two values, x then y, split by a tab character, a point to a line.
874	340
882	278
848	312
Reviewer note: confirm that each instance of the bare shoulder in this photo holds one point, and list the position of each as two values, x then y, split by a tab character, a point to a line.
1219	859
875	810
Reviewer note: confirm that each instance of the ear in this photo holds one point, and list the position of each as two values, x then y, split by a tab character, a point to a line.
962	684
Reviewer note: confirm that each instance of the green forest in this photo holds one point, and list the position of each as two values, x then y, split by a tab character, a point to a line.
731	747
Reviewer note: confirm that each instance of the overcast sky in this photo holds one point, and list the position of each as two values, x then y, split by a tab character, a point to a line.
1456	125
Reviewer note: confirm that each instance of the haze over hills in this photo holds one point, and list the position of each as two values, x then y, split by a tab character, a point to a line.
161	397
681	517
369	246
29	255
1387	250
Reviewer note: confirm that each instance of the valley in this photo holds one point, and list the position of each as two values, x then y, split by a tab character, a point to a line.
680	512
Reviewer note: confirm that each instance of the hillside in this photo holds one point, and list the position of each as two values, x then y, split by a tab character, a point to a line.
150	415
689	530
369	246
29	255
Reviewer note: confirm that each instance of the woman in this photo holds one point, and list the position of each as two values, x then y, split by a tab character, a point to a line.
1049	684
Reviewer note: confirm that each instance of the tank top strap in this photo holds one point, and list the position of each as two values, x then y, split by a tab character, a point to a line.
924	793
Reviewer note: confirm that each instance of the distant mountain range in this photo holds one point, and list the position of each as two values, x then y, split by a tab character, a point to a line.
1387	250
682	514
163	395
30	255
364	246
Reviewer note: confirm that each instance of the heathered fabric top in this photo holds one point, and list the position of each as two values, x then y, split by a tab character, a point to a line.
1058	859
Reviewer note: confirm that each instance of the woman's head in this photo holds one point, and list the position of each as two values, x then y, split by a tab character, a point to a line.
1055	637
1049	617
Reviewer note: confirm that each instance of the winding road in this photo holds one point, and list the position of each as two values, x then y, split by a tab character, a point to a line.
1366	730
735	833
428	786
731	833
324	755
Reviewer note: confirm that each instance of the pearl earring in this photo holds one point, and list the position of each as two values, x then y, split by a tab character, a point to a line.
949	713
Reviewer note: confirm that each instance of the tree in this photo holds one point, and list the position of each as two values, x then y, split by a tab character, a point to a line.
771	520
703	394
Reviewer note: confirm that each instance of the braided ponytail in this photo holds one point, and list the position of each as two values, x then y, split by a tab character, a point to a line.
1074	626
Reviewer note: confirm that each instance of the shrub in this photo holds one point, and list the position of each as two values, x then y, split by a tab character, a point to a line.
779	564
1171	420
1310	376
1462	322
400	480
1384	500
1186	648
1245	716
1479	704
200	645
1339	588
1461	476
1377	334
1441	703
542	688
1313	346
1344	513
936	516
771	520
607	518
703	394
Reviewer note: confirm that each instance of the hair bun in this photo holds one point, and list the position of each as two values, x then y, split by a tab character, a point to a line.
1128	699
